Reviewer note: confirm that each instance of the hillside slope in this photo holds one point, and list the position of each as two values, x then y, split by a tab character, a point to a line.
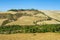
24	20
53	14
32	17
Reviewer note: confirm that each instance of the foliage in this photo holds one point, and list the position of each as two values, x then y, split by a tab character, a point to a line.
29	29
18	15
5	22
13	10
16	10
10	16
49	18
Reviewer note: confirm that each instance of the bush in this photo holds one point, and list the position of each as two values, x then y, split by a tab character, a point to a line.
13	10
29	29
18	15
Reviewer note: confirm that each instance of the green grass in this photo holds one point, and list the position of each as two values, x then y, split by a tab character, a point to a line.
29	29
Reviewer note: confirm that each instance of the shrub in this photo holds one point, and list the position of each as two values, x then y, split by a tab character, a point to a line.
29	29
18	15
13	10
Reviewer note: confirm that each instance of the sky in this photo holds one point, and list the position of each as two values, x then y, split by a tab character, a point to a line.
28	4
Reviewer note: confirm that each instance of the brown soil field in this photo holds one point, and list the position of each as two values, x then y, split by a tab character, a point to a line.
30	36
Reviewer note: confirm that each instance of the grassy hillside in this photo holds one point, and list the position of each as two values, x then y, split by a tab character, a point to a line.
55	14
1	21
29	24
24	20
30	17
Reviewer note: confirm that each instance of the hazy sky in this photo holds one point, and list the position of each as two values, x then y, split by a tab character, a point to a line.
27	4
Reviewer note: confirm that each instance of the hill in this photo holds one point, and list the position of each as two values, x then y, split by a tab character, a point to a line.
31	17
55	14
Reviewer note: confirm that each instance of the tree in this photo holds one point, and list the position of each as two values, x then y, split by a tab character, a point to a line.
13	10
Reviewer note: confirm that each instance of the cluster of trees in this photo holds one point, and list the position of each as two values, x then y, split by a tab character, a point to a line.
29	29
16	10
9	29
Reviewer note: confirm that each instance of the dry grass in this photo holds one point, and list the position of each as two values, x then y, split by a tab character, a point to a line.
1	21
28	12
31	36
8	12
24	20
49	22
28	20
52	14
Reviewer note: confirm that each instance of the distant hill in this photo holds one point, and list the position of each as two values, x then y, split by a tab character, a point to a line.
30	17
